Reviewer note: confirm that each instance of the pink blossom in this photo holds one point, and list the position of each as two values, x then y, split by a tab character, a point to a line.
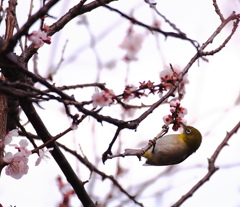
166	73
174	103
9	135
129	93
176	108
172	109
176	116
42	155
167	119
170	75
38	38
132	43
23	147
182	112
103	98
178	70
17	164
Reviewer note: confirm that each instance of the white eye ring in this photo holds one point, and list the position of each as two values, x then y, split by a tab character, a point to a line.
188	131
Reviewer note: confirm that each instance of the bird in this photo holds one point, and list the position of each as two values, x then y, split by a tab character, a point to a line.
173	148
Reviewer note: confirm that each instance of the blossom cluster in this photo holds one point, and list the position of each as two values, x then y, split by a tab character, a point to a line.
168	76
66	192
131	92
132	43
104	98
17	163
38	38
177	114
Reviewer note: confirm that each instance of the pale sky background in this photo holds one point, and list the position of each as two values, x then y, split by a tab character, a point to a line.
210	100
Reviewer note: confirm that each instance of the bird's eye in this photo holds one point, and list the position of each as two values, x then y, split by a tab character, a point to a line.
188	131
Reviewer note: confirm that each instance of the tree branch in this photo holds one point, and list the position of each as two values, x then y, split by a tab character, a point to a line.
92	168
66	168
10	44
179	35
57	26
211	167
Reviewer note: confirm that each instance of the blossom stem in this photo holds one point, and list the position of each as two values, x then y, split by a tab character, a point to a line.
45	144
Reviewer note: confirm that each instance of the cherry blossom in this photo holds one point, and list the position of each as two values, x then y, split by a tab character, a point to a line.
17	164
167	119
177	114
38	38
175	107
132	43
23	147
66	191
9	135
170	75
43	154
103	98
129	93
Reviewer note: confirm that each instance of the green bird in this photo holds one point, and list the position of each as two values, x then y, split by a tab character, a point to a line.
172	149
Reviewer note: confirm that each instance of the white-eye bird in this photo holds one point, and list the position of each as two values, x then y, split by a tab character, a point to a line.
172	149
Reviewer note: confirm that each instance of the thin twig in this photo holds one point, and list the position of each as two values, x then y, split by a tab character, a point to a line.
168	21
211	167
109	150
26	134
180	35
10	44
140	152
200	52
75	11
235	26
92	168
59	157
217	10
69	87
47	143
55	70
